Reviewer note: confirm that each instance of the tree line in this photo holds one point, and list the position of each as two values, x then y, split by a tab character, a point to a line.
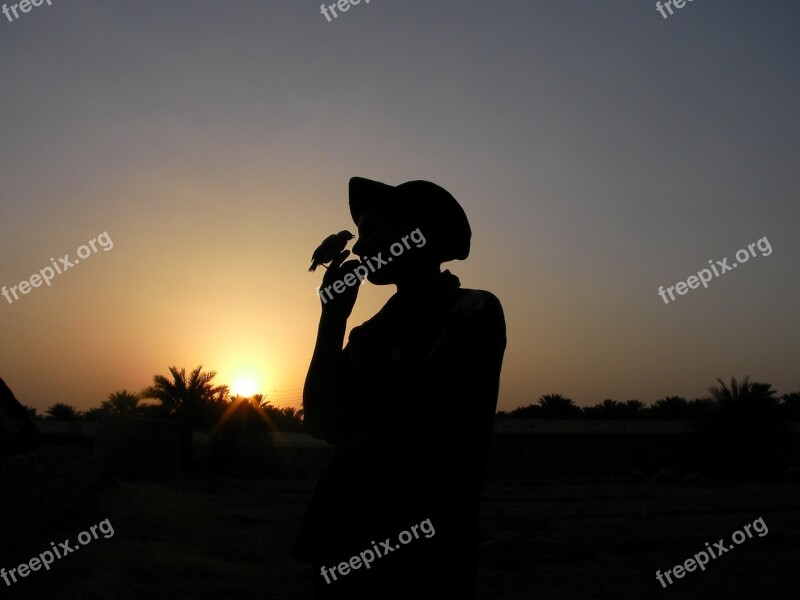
193	400
196	402
739	401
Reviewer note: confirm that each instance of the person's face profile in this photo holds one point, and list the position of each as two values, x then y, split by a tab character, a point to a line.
376	232
372	234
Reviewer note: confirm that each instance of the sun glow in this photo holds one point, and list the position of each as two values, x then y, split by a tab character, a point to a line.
244	385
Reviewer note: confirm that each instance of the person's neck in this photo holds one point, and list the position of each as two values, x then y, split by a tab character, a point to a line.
418	283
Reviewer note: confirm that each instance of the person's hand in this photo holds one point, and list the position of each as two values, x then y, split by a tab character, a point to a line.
340	303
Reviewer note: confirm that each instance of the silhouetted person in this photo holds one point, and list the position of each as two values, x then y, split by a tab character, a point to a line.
18	432
409	404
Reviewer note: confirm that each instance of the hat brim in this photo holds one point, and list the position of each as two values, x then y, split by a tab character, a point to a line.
366	194
422	202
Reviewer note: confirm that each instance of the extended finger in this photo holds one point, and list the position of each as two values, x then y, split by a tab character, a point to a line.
337	262
333	269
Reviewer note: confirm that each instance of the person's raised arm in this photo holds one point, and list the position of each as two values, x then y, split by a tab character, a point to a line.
322	392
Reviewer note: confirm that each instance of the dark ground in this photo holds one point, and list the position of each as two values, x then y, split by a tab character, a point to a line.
229	539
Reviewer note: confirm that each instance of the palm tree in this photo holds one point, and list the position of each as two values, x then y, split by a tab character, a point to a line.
188	399
278	419
745	400
630	409
671	407
289	419
725	395
93	414
556	406
260	400
790	406
122	403
700	409
607	409
154	411
549	406
746	427
62	412
531	411
193	401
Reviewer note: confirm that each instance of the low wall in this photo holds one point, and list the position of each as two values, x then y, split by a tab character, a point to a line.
521	448
531	448
138	446
268	455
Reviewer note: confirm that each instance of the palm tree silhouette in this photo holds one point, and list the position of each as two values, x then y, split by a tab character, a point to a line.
745	400
260	400
556	406
122	403
549	406
630	409
607	409
287	418
671	407
188	399
62	412
700	409
193	401
746	428
790	406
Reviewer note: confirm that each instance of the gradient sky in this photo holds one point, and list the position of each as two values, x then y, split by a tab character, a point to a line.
599	151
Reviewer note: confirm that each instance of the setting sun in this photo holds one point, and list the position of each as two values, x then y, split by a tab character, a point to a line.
244	386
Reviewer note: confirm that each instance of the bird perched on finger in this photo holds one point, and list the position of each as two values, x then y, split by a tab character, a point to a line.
330	248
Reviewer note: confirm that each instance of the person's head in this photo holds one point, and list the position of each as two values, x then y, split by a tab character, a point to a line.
414	226
393	249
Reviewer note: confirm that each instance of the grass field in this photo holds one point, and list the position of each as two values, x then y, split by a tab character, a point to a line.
230	539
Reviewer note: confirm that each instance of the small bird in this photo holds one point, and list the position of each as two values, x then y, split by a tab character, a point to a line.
330	248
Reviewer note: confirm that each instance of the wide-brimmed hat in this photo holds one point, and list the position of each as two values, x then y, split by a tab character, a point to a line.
428	206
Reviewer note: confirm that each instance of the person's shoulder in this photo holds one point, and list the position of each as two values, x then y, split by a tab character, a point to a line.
480	313
471	303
